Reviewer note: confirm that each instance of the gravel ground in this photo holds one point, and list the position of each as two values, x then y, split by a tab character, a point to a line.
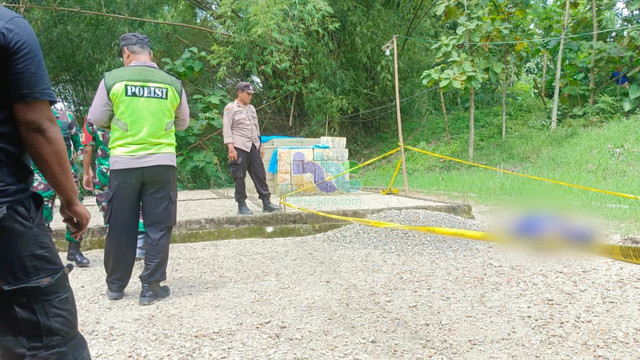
365	293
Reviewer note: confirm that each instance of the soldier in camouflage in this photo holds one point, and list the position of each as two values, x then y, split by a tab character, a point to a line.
71	137
96	173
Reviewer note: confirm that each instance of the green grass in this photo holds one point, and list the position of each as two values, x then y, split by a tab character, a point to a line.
606	157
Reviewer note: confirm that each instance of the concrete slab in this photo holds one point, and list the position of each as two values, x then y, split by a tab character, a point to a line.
206	210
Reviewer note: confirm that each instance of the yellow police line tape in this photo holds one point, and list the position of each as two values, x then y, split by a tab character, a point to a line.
634	197
630	254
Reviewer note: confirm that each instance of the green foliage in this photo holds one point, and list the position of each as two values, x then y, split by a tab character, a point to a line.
200	146
189	65
326	54
79	48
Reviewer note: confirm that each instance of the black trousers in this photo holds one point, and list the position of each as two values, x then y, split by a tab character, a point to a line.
156	188
38	315
252	162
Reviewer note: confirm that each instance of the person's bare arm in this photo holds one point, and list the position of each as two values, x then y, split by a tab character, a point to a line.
182	113
43	141
87	171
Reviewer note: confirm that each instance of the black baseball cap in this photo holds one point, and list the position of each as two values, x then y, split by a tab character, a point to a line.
245	86
134	39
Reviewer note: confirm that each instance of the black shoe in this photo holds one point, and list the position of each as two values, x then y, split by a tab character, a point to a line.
268	206
76	256
115	295
153	292
243	209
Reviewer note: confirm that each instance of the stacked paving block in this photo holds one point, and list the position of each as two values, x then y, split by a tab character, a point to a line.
300	167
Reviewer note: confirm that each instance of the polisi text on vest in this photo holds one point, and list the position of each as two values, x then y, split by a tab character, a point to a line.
146	91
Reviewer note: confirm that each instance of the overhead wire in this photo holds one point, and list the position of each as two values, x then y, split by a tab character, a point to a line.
525	40
402	101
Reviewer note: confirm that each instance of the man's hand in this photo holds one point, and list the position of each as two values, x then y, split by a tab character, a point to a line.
261	152
233	154
76	216
87	180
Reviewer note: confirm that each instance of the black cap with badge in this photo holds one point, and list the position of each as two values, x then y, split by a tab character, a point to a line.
245	86
134	39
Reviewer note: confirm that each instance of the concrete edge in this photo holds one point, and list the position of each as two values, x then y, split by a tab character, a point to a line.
258	225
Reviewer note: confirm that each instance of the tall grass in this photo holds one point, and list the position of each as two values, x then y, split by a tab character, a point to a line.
605	157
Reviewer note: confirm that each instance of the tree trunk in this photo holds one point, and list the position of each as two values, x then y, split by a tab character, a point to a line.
504	109
592	77
472	94
556	91
545	56
444	113
579	97
513	73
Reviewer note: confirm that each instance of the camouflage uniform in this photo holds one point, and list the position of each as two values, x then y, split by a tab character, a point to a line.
71	137
99	139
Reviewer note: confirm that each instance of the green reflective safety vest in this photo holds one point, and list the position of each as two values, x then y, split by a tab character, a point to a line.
144	103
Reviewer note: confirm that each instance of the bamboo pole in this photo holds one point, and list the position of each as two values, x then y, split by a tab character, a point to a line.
404	163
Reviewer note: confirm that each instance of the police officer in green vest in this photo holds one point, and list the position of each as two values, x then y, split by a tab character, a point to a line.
142	106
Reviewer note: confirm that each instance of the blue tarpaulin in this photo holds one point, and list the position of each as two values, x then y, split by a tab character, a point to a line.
264	138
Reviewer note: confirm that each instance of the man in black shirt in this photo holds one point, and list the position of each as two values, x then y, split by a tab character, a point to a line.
38	316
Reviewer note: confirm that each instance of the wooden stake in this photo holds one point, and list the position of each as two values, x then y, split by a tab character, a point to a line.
404	165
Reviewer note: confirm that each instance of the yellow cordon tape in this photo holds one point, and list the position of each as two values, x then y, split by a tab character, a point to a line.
467	234
630	254
634	197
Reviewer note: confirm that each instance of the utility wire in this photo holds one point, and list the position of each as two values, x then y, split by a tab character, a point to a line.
525	40
405	100
385	106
